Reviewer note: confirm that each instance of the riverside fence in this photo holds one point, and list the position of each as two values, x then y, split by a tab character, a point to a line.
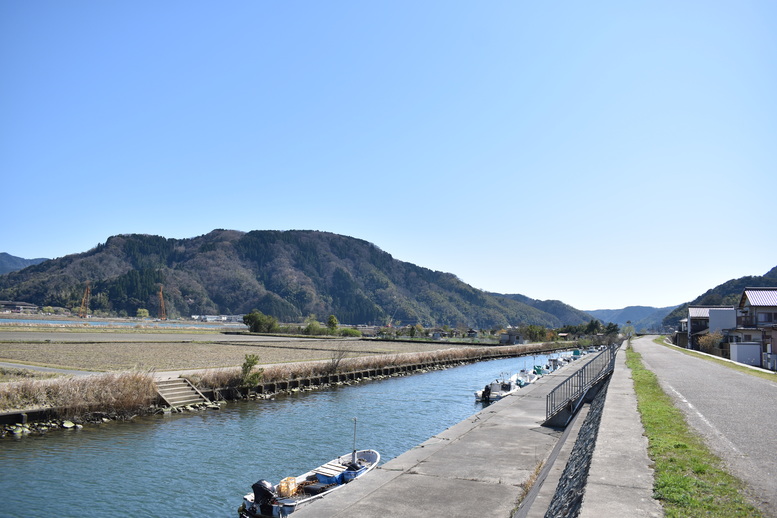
570	393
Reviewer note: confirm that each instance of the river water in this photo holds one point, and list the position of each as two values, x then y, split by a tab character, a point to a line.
201	464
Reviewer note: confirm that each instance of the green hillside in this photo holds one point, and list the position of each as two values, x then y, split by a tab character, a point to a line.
286	274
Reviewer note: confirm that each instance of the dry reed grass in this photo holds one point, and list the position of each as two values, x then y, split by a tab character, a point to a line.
115	392
231	377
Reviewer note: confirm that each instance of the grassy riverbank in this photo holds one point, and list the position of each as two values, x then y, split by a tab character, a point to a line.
690	481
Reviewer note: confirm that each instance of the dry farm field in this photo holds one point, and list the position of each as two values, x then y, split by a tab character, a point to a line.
111	350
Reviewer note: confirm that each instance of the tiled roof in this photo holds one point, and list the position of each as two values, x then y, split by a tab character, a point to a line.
704	311
761	296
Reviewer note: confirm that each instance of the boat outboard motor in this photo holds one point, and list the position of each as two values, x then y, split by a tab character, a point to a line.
263	493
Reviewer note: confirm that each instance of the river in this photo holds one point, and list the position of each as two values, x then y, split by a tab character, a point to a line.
201	464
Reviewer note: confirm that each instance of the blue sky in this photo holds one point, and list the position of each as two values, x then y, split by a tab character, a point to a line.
605	154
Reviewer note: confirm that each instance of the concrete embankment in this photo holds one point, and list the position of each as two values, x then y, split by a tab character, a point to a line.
487	464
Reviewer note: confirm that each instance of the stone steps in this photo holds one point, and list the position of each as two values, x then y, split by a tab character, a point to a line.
178	392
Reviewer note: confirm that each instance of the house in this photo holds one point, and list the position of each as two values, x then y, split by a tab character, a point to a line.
748	329
9	306
755	327
702	320
511	337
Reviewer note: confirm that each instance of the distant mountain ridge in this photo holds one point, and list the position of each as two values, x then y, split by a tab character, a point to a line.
641	317
11	263
723	294
287	274
564	312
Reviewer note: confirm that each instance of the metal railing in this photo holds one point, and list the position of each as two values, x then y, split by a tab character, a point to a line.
578	383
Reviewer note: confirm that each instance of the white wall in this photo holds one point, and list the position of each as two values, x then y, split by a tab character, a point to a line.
747	353
722	318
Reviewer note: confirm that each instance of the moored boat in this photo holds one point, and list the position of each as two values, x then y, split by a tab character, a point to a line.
499	388
527	376
280	500
283	499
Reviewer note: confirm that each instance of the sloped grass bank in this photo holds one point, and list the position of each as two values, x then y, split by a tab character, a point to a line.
689	480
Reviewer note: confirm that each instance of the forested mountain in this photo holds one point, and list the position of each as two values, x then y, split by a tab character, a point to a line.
287	274
727	293
641	317
10	263
564	312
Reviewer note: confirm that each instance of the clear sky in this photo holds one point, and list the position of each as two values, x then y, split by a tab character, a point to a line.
602	153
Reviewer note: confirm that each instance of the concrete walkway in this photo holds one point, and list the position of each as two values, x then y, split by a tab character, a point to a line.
482	465
620	480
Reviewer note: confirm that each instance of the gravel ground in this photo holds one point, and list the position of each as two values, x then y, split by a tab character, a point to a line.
110	350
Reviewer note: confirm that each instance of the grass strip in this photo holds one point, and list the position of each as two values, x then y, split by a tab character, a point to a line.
689	480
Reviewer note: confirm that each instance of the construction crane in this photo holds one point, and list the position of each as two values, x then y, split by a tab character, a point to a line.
83	312
162	312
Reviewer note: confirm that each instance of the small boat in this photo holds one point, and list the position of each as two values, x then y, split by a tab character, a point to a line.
267	500
499	388
527	376
555	364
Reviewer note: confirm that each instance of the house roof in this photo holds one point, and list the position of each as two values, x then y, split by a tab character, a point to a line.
759	297
704	311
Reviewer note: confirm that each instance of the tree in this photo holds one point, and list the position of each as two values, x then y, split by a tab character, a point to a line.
593	327
249	378
142	313
258	322
611	329
709	342
533	332
628	330
312	326
332	323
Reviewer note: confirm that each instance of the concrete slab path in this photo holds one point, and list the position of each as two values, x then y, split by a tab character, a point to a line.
620	480
477	467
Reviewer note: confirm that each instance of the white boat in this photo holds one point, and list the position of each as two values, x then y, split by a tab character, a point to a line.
527	376
499	388
267	500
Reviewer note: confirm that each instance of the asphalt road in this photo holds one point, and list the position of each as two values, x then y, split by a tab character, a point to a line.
733	411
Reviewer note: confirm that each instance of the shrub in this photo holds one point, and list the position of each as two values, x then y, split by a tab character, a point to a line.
708	342
249	378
